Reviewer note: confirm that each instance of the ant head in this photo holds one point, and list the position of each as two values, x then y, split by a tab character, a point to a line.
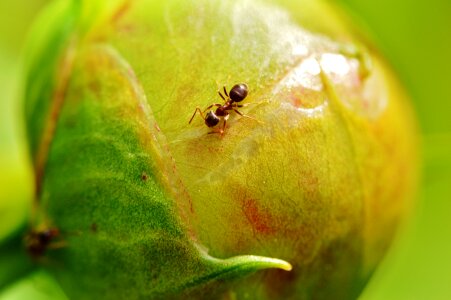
211	119
238	92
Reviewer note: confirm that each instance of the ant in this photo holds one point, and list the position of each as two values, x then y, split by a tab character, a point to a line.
237	94
38	241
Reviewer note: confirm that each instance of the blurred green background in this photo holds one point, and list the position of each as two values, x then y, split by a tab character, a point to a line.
415	36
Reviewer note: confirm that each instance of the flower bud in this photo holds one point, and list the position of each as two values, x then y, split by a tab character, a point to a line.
295	192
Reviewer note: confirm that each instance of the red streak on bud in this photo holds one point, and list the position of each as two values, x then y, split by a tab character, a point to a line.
121	11
259	219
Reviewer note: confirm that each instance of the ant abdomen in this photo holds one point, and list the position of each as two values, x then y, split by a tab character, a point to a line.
238	92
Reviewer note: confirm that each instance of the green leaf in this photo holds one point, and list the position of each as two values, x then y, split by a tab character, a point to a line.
48	40
14	261
119	163
39	285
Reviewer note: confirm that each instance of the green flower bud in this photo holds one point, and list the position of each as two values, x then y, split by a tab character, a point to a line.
297	196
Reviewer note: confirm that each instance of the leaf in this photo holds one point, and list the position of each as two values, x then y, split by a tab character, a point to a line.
38	285
119	164
14	261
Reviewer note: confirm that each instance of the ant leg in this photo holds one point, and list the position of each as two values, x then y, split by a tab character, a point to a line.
244	105
247	104
246	116
214	104
224	125
225	91
200	112
57	245
222	130
220	95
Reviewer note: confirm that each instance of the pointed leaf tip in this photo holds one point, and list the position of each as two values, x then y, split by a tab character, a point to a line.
244	264
254	263
231	268
217	270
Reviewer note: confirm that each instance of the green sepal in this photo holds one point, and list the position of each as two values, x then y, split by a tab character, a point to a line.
46	44
109	165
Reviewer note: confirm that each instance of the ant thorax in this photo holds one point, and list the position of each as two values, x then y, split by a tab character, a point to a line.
221	111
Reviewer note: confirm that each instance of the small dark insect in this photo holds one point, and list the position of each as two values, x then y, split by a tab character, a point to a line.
237	94
144	176
94	227
38	241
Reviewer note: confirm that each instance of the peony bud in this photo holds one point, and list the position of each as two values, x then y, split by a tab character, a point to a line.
297	196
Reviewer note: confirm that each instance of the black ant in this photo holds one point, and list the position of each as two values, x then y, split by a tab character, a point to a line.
237	94
38	241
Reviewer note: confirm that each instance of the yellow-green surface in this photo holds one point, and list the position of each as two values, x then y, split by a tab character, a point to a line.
416	39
